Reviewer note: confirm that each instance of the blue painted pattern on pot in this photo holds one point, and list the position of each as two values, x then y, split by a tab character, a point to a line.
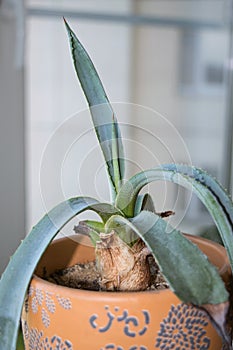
183	328
115	347
37	341
131	326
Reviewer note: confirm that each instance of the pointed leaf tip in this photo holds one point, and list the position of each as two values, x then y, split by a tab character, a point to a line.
105	123
217	314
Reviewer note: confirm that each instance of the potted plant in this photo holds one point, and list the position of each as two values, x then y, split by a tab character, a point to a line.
122	316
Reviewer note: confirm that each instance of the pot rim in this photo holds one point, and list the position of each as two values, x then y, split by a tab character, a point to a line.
223	270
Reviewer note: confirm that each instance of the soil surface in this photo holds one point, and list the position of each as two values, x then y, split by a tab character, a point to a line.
85	276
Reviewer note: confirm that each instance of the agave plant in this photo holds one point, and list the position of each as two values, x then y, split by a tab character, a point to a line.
128	228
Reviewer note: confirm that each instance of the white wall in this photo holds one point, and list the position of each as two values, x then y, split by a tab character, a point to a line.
197	111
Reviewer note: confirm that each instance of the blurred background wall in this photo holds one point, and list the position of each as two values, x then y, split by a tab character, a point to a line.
12	134
172	57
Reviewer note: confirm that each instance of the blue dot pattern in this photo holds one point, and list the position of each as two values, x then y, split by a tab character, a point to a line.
183	329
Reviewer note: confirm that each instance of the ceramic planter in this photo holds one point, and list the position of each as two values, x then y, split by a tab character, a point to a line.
61	318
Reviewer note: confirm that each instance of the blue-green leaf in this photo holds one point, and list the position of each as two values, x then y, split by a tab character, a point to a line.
207	189
189	273
103	117
91	229
15	279
91	224
143	202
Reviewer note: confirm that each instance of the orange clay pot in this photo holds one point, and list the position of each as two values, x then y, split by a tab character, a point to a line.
61	318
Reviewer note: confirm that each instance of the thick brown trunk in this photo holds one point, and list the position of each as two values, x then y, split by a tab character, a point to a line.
122	268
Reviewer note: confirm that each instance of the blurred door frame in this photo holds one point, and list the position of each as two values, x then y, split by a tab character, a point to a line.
12	184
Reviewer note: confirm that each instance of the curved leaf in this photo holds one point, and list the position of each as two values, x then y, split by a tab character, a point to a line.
15	279
91	229
105	210
205	187
189	273
145	202
85	225
103	117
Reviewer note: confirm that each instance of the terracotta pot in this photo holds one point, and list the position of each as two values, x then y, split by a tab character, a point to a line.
61	318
